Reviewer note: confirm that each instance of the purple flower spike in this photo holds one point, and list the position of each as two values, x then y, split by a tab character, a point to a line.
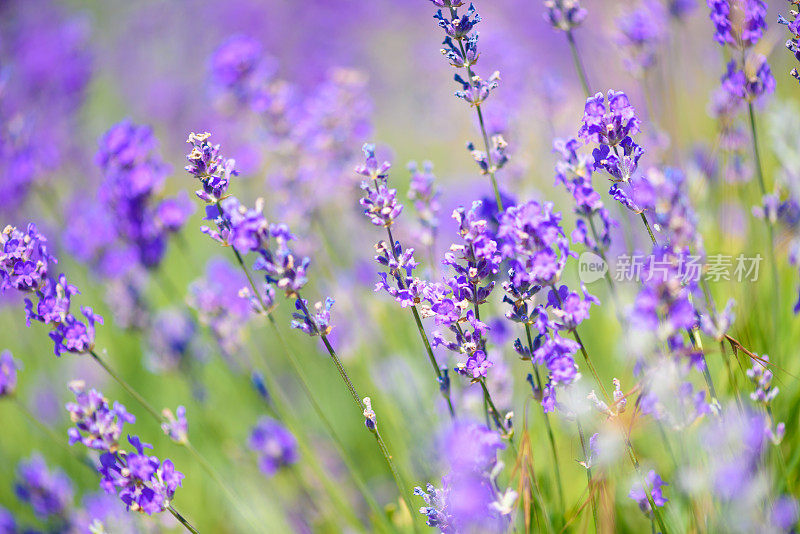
564	14
608	125
176	427
738	23
24	259
142	482
208	165
97	425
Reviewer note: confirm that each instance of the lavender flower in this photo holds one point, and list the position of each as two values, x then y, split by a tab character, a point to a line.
380	202
792	44
173	341
749	83
608	125
8	374
313	325
641	31
24	259
142	482
652	488
425	196
7	523
97	425
275	446
761	377
176	427
49	493
738	23
564	14
208	165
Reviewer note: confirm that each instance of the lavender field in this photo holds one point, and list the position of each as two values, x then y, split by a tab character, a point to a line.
399	266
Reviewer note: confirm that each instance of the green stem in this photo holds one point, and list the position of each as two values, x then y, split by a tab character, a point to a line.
297	368
770	229
549	428
589	479
182	520
424	336
576	59
649	230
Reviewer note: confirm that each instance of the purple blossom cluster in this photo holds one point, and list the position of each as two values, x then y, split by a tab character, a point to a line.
25	265
142	482
740	24
98	425
574	172
460	47
274	444
425	195
793	43
469	500
564	14
379	201
247	230
133	177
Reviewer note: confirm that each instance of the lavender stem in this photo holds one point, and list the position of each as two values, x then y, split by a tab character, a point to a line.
576	59
182	520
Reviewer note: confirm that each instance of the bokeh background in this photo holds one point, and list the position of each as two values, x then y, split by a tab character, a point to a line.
359	71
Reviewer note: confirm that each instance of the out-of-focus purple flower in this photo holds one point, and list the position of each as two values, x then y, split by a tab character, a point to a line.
608	125
219	306
97	425
467	502
751	83
564	14
49	493
761	377
680	9
142	482
172	213
425	195
172	341
717	326
275	446
641	31
8	374
738	23
7	523
176	427
652	487
234	63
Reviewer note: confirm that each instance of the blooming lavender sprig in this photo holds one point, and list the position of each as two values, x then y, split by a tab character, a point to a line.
461	50
8	374
738	23
25	263
379	201
793	43
144	483
98	425
133	177
764	393
209	166
574	172
425	195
